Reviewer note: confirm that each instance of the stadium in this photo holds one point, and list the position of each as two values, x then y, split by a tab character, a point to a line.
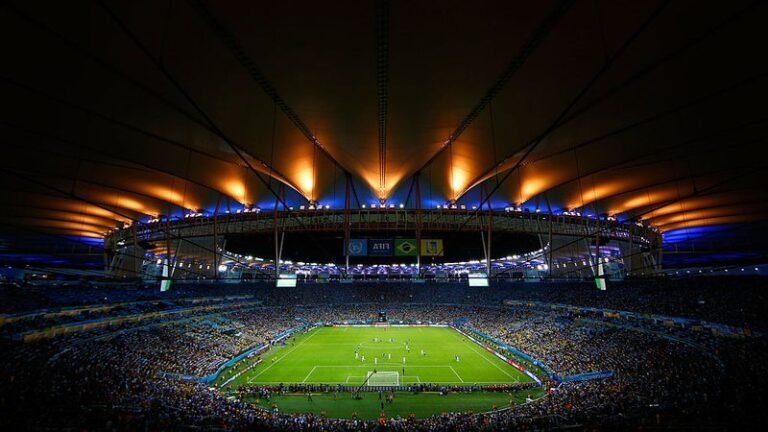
383	215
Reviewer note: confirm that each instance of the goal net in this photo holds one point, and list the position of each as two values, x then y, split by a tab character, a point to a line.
383	379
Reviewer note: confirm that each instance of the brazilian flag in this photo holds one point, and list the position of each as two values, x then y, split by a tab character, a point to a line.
406	247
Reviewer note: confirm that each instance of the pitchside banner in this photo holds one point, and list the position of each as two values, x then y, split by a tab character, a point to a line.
432	247
381	247
358	247
406	247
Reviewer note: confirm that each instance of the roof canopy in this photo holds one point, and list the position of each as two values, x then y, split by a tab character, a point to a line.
116	111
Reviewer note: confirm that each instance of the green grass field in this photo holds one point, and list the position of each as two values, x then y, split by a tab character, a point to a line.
326	355
420	405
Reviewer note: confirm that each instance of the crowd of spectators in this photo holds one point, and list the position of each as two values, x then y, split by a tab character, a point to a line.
736	301
115	378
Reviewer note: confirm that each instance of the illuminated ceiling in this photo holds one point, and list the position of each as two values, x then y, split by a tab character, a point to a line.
116	111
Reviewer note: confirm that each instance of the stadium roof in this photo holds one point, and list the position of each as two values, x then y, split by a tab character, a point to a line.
118	111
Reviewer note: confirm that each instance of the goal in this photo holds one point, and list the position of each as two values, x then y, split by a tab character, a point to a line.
383	378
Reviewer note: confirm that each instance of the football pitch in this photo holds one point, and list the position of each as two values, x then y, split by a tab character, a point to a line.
376	356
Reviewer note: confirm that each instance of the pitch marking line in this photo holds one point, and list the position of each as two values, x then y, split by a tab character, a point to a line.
383	364
252	379
310	373
455	373
402	384
471	345
333	344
